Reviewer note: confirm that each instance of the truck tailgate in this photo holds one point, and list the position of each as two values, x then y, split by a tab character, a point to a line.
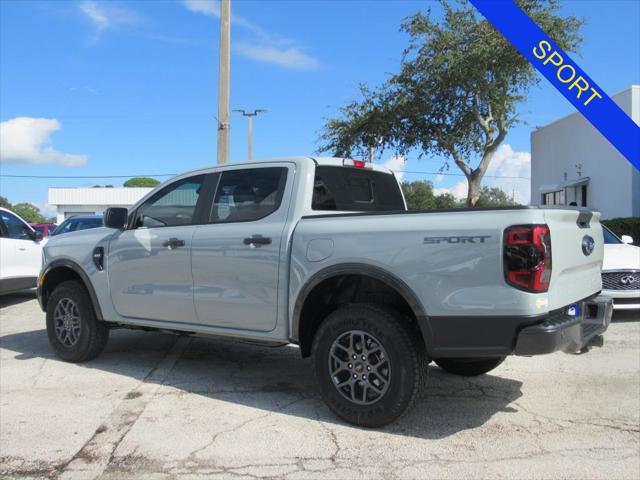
575	274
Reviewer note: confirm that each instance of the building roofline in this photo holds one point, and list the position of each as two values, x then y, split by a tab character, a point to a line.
568	115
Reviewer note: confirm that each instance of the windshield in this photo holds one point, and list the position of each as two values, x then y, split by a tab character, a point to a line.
355	190
609	236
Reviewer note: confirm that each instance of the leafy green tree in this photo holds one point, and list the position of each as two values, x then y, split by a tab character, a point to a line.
420	196
29	212
5	203
141	182
447	200
494	197
456	93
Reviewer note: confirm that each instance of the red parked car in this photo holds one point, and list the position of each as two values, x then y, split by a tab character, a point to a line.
45	229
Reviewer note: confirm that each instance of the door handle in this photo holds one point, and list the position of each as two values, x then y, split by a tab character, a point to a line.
256	240
173	243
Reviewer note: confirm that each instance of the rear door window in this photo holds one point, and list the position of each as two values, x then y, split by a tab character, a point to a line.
248	194
355	189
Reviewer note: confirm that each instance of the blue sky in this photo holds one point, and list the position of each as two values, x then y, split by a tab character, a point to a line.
127	88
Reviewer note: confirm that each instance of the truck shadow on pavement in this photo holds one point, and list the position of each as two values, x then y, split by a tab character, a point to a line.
275	380
17	297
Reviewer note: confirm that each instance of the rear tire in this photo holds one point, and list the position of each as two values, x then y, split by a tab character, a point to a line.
469	367
389	364
74	332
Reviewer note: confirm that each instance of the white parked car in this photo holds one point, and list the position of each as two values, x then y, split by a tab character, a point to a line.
621	271
20	253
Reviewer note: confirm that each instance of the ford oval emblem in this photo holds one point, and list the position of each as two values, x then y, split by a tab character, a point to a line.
588	244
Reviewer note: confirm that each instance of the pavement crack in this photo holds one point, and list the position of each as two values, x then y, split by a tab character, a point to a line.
98	452
333	437
192	456
621	428
36	375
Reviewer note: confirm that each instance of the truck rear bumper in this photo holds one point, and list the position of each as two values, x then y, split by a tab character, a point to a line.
487	336
566	332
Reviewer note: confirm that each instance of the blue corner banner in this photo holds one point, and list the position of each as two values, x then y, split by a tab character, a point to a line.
565	75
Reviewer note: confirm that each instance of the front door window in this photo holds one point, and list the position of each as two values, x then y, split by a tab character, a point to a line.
173	206
14	227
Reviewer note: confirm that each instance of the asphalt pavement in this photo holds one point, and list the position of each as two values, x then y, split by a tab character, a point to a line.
163	406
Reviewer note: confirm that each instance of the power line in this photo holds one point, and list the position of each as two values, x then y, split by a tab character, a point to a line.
458	174
89	176
173	174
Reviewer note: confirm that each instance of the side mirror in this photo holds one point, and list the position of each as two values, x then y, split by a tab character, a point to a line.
38	236
115	217
626	239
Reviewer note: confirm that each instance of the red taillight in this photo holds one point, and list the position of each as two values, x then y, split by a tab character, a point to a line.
348	162
527	257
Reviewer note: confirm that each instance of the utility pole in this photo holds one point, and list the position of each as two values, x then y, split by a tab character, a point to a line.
223	82
250	116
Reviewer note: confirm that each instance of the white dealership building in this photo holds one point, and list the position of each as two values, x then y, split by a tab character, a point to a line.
572	162
89	201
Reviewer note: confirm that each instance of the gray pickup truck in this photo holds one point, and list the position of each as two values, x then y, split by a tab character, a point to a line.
321	252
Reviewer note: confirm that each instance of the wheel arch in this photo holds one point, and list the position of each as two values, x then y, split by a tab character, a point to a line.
306	317
60	271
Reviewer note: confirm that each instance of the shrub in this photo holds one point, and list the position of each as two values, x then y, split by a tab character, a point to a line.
625	226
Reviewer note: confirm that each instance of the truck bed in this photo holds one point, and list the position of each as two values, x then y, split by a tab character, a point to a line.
453	259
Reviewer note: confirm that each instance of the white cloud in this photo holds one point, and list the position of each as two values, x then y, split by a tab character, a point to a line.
264	46
46	210
95	14
397	165
85	89
26	140
439	178
288	57
458	190
105	15
211	8
513	167
205	7
509	163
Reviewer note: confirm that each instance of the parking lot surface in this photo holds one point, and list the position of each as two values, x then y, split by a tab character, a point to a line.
162	406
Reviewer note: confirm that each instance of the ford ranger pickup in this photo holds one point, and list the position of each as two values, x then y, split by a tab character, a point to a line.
322	253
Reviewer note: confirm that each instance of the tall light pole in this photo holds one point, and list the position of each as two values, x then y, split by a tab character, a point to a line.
223	82
250	116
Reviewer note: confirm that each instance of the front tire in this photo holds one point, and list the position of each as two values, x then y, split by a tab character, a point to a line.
369	364
74	332
469	367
